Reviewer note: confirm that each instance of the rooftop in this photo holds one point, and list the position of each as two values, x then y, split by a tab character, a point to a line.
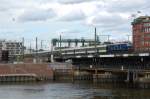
141	19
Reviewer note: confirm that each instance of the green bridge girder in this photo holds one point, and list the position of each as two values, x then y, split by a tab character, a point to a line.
76	41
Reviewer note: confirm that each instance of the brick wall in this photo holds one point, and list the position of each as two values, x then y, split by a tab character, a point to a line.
41	70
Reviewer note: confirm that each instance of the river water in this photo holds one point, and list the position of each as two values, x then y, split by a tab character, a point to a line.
61	90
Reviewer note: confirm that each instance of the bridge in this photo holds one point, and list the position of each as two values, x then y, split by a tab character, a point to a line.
130	66
126	66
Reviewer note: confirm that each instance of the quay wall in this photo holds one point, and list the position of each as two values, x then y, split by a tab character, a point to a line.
62	71
67	71
42	71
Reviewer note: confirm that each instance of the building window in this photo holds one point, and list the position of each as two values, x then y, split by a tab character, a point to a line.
146	24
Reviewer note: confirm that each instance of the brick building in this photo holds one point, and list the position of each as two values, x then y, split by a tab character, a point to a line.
141	34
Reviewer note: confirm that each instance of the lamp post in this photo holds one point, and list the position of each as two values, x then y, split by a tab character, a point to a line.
60	43
60	40
36	49
108	37
95	43
128	38
42	44
23	48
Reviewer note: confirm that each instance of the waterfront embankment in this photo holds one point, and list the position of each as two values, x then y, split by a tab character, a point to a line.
25	72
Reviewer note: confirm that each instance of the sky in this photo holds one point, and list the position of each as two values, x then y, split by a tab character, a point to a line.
47	19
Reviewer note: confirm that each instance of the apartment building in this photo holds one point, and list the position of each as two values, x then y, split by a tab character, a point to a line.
10	49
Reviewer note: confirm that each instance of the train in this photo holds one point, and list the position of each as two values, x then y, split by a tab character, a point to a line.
100	49
119	48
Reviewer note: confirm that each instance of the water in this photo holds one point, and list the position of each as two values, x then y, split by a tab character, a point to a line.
71	91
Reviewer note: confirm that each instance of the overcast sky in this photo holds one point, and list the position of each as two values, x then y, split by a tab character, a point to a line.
75	18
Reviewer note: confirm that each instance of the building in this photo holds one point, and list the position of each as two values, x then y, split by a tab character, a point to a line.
11	49
141	34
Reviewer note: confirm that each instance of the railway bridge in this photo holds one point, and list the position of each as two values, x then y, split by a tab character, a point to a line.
126	66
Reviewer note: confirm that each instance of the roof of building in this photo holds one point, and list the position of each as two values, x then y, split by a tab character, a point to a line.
141	19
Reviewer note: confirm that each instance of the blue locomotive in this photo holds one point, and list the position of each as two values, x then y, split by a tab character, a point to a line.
119	48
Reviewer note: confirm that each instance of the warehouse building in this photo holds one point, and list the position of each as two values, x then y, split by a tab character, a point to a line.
141	34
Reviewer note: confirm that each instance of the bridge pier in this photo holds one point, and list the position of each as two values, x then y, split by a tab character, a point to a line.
95	76
52	58
132	76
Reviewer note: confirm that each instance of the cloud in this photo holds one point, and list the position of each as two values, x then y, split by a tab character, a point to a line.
72	1
73	15
68	31
6	5
111	23
36	15
107	15
105	19
126	5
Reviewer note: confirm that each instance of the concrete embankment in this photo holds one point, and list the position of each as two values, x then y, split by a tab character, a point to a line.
67	71
25	72
62	71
